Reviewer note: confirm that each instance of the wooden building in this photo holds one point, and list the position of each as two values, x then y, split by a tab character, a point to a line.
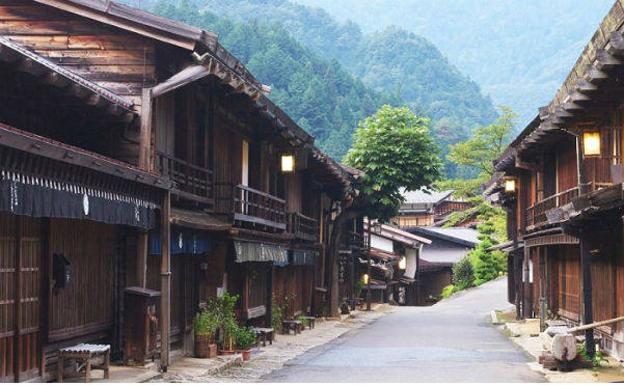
394	257
136	152
426	207
561	180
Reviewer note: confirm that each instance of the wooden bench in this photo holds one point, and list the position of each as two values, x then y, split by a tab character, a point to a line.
264	335
310	320
83	354
294	325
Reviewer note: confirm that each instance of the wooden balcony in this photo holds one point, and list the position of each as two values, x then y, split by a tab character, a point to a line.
190	181
536	215
250	207
303	227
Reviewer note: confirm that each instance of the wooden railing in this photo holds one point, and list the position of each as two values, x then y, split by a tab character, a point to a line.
191	181
536	214
248	205
303	227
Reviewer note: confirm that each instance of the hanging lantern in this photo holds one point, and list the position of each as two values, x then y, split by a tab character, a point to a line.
365	279
510	185
403	263
288	163
591	143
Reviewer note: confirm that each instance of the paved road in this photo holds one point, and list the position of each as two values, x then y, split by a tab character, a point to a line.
448	342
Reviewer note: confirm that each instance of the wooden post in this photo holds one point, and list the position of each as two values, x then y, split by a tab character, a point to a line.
17	340
145	135
165	281
526	285
368	268
142	251
588	317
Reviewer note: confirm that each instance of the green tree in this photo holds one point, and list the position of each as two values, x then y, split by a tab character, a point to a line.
486	144
394	149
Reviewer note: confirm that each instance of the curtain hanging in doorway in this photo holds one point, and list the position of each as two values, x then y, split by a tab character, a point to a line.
44	198
183	241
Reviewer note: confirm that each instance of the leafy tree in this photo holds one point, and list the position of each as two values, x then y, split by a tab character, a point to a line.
463	274
395	150
486	144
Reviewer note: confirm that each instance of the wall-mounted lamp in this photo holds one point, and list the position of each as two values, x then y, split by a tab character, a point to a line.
288	163
591	143
403	263
365	279
510	185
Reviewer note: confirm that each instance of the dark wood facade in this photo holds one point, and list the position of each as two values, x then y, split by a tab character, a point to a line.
136	151
565	215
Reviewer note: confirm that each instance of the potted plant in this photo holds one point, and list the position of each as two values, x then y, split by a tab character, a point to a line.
205	327
229	329
245	339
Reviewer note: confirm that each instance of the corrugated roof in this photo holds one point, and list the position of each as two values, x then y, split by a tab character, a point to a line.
425	195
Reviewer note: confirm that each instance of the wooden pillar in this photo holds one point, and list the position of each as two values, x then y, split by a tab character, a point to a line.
165	281
145	135
17	339
588	316
142	251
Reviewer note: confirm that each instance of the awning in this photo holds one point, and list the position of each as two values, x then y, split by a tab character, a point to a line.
259	252
183	241
303	257
383	255
44	198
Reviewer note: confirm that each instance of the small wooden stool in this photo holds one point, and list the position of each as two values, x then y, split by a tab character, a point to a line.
294	325
84	353
264	335
310	320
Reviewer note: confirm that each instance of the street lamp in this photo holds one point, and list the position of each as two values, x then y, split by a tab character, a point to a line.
591	143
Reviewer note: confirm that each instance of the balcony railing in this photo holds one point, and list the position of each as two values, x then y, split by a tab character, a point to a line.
250	206
191	181
303	227
536	214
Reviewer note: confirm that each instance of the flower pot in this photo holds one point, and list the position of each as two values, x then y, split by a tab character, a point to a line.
204	348
246	354
226	352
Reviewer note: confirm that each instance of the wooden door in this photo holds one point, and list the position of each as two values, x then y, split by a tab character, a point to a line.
20	293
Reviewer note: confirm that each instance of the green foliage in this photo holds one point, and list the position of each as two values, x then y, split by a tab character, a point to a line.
220	314
245	337
485	145
448	291
597	360
394	149
207	323
463	275
463	188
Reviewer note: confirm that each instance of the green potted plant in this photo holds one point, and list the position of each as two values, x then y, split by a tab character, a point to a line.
205	327
229	329
245	339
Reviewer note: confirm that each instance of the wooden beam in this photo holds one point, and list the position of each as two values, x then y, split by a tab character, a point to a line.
145	133
570	106
605	61
577	97
165	280
585	87
186	76
8	55
595	75
588	316
616	44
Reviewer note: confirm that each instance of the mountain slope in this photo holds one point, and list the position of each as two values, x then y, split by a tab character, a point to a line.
518	51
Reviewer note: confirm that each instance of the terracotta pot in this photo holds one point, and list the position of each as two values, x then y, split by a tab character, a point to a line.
204	348
226	352
246	354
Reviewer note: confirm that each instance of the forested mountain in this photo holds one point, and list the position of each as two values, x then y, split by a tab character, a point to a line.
315	66
518	51
318	93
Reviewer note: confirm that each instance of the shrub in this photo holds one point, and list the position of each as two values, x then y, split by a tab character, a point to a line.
206	324
245	338
448	291
463	275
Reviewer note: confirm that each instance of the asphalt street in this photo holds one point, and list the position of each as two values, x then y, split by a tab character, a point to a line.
451	341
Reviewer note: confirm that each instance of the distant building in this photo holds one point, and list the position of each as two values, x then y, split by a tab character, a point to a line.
427	208
447	247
